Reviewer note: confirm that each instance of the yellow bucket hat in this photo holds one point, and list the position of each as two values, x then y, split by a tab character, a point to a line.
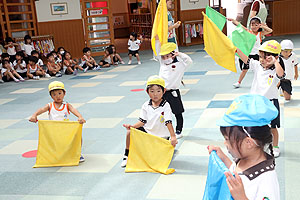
156	80
167	48
271	46
56	85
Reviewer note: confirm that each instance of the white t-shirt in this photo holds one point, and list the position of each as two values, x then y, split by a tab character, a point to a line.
62	113
156	119
289	65
28	48
260	181
265	80
3	70
134	45
40	62
19	70
173	73
257	44
11	51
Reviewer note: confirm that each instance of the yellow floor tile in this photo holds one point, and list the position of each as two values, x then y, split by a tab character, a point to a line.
190	81
199	147
184	91
90	73
291	112
105	76
102	122
133	83
135	114
95	163
195	104
91	84
221	72
122	68
4	123
26	91
209	117
192	187
19	147
229	96
3	101
106	99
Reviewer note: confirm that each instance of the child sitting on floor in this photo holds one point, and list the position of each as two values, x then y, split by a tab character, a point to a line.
20	65
107	59
53	69
87	61
34	71
116	57
70	66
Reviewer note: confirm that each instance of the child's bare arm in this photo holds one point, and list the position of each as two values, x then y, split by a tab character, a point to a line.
243	57
76	113
172	134
296	72
33	118
235	22
136	125
267	30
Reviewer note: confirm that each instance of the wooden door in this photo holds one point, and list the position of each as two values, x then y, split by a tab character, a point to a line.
98	25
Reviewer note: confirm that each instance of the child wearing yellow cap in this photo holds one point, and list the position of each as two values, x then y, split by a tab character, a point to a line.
155	117
58	109
172	67
268	71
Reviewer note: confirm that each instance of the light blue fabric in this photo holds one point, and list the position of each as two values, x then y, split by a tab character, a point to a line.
216	187
249	110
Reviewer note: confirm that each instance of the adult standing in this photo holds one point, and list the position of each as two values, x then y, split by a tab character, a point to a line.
258	9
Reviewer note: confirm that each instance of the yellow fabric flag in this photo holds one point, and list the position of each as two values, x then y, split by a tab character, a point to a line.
59	143
218	45
149	153
160	25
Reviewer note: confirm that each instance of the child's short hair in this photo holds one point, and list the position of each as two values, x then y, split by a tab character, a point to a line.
49	55
33	59
134	35
53	52
20	53
8	39
64	55
86	49
27	37
4	55
150	86
59	48
34	52
4	62
109	49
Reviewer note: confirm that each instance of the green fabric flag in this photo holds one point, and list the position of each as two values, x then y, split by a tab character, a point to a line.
242	39
216	17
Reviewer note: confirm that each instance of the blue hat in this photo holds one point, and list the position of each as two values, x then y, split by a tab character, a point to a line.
249	110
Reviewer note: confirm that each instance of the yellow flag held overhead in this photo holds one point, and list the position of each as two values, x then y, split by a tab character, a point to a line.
218	45
160	25
149	153
59	143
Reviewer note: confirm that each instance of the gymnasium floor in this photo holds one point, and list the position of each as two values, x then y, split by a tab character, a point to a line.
106	101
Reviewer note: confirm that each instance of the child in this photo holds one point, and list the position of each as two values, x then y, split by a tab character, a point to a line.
11	48
36	54
20	65
107	58
133	47
87	61
70	65
291	69
267	74
53	69
9	73
259	30
58	109
116	57
172	67
247	134
27	47
61	51
34	71
155	118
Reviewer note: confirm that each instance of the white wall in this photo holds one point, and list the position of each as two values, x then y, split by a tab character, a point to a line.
186	5
43	10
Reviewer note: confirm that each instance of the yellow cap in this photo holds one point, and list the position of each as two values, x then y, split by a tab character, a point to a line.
56	85
167	48
156	80
271	46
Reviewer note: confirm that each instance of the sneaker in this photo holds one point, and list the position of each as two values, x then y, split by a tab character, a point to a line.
85	70
139	62
17	80
1	81
98	68
178	134
124	161
81	159
276	152
122	62
94	68
129	62
236	85
22	79
36	78
58	74
75	72
47	76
